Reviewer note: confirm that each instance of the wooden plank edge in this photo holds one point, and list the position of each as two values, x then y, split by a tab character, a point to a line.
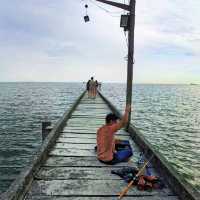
19	187
51	197
178	185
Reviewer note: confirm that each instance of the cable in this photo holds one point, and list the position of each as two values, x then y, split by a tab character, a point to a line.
129	56
126	38
107	11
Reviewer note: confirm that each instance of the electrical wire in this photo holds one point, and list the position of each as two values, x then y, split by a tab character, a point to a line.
110	13
106	10
128	56
126	38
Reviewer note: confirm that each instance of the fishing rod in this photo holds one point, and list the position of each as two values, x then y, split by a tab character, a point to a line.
125	190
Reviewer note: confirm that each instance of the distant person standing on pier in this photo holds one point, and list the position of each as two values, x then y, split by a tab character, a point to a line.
108	148
92	88
96	87
88	88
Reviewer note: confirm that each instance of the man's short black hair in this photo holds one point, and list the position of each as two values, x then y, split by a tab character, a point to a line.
111	117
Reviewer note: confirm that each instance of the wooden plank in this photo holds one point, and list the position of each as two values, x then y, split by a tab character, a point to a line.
82	132
82	153
90	136
40	197
85	125
93	109
64	173
79	131
92	120
78	140
92	101
78	135
72	152
98	117
99	112
96	103
96	111
89	101
60	161
89	187
92	173
89	129
91	141
74	146
65	145
94	106
89	146
88	122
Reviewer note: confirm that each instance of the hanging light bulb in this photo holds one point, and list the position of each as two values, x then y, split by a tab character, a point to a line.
86	17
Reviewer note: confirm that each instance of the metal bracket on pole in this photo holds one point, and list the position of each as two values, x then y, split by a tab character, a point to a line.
118	5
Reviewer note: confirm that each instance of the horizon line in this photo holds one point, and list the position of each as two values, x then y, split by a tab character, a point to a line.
192	83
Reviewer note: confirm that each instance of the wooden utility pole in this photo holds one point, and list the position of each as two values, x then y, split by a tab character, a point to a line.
131	9
130	56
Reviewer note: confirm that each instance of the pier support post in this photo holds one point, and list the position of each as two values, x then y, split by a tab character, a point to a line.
46	129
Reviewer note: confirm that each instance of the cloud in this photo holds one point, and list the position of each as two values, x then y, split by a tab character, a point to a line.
166	22
39	36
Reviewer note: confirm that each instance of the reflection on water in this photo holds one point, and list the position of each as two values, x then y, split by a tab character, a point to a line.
168	115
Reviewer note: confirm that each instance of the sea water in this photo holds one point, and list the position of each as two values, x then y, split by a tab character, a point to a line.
169	118
167	115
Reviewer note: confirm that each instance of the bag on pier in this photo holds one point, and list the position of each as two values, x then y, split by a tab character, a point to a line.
126	173
142	182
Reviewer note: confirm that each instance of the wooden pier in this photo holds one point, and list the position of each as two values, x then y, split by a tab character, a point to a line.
66	166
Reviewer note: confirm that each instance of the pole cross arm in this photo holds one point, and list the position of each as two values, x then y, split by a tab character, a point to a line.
119	5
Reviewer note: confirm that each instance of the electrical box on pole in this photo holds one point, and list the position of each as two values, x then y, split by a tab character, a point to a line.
125	22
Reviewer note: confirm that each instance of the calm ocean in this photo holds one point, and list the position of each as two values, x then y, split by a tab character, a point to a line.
168	116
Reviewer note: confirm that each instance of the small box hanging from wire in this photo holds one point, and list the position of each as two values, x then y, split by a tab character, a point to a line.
86	18
124	22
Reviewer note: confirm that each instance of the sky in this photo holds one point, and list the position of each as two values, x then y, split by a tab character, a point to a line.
48	40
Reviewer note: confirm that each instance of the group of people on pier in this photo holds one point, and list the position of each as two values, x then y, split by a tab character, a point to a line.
92	86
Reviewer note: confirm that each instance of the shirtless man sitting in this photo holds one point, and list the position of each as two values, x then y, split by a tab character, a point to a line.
107	151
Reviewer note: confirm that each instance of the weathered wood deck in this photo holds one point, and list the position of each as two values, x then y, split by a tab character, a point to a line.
66	167
72	170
